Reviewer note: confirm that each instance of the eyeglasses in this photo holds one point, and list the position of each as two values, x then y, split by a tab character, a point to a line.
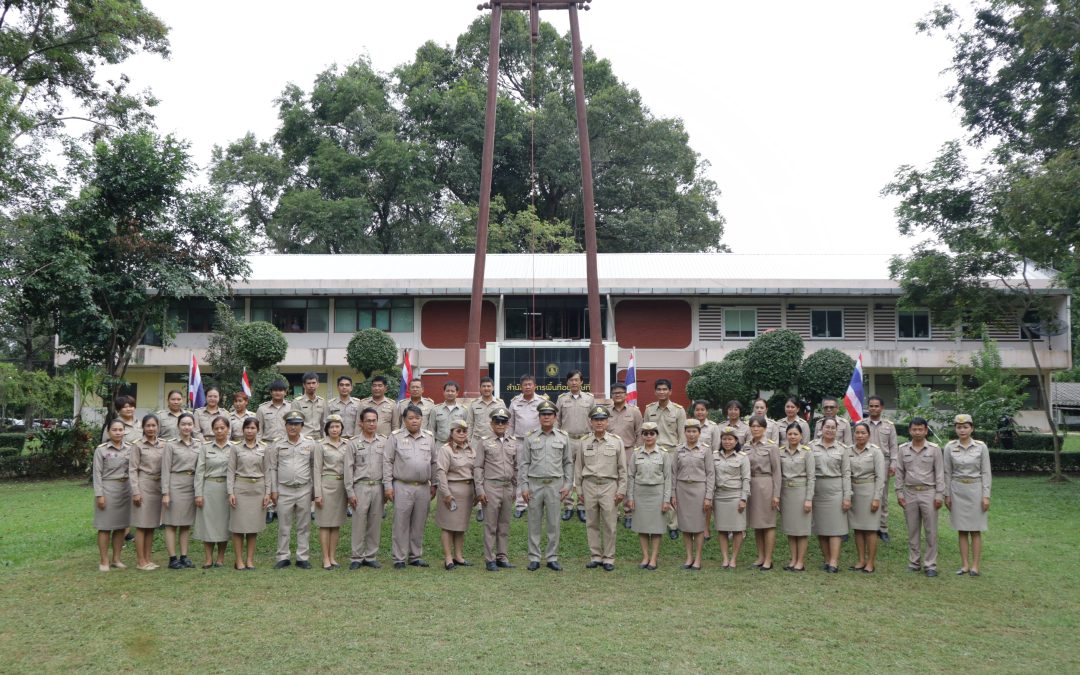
828	407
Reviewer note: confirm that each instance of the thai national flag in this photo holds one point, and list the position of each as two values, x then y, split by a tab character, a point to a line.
406	375
631	382
853	399
196	393
245	383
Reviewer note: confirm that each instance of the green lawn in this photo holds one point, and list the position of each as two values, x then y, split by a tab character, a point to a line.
57	612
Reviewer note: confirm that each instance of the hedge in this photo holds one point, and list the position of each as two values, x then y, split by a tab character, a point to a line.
1032	461
14	439
1021	440
9	452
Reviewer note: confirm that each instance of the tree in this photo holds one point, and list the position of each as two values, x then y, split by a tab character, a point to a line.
719	382
912	399
372	352
984	389
258	346
135	239
772	361
826	372
222	354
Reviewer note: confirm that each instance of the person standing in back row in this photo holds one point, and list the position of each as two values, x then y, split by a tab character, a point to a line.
883	435
670	420
312	406
574	407
524	419
382	406
920	491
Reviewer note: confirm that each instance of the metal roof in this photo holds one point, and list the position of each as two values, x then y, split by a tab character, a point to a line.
545	273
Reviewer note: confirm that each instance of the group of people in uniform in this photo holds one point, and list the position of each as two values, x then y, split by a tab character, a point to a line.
224	475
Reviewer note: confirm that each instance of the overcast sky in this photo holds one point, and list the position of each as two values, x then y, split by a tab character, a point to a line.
804	110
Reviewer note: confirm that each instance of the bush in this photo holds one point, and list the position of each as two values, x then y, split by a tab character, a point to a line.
775	405
260	345
720	383
772	361
58	452
14	439
370	351
10	452
1038	461
393	386
260	386
1021	441
825	373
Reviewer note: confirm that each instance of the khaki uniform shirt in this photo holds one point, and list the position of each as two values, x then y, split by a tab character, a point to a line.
883	435
626	424
523	416
250	462
765	461
349	411
479	418
833	461
967	463
601	458
733	473
272	421
314	414
671	420
868	465
110	463
132	431
330	462
409	458
798	467
236	424
649	468
204	419
179	457
292	464
742	430
385	408
779	431
441	418
213	463
364	461
496	460
919	468
573	413
710	436
453	465
694	465
168	429
145	459
426	405
843	430
546	456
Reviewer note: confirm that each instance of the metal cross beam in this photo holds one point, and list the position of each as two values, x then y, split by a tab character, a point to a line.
597	374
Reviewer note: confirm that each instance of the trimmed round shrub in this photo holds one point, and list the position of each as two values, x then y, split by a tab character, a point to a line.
260	345
825	373
370	351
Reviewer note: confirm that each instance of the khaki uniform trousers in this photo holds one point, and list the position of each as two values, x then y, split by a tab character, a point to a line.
294	507
670	518
921	517
500	506
411	505
885	498
366	520
544	508
600	517
576	443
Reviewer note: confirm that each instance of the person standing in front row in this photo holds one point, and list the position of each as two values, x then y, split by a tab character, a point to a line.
967	485
797	495
495	478
212	497
248	482
574	408
146	456
730	494
292	461
764	499
524	419
178	490
329	476
112	494
648	494
600	478
670	420
454	464
920	491
692	480
546	474
832	493
407	471
867	474
363	485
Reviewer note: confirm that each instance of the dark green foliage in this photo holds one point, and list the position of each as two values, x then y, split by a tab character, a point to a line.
260	386
56	453
718	382
1032	461
370	351
772	361
826	372
775	405
393	385
260	345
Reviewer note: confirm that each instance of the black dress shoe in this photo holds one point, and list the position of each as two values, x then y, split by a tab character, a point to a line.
373	564
832	569
673	534
883	536
449	566
463	563
844	538
187	562
399	565
567	514
480	515
554	566
931	573
765	569
129	537
504	564
303	564
643	566
609	567
354	565
592	564
282	564
533	566
518	512
581	514
490	566
628	522
651	568
175	564
419	562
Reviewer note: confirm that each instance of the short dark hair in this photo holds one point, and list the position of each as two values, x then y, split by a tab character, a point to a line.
877	398
918	421
149	416
793	425
733	404
828	398
793	401
279	385
310	375
412	410
222	418
661	382
855	426
573	373
250	422
344	378
758	420
379	378
695	404
212	388
527	377
486	379
451	383
416	378
373	411
123	400
174	391
188	415
621	386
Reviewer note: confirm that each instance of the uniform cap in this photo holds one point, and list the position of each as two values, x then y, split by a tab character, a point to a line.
598	413
729	431
459	424
650	426
546	407
332	418
294	417
500	414
692	423
962	419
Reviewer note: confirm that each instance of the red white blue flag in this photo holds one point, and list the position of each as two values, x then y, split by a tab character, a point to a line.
854	398
631	382
245	383
196	393
406	375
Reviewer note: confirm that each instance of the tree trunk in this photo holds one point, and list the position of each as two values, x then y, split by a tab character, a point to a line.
1048	408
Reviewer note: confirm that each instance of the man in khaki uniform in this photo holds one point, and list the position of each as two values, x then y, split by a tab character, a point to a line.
524	418
382	406
446	413
363	486
546	474
292	461
883	435
417	399
600	477
625	420
346	407
408	466
670	420
312	406
574	407
829	409
495	479
271	414
920	490
479	412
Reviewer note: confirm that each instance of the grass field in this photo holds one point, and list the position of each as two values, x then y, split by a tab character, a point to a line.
57	612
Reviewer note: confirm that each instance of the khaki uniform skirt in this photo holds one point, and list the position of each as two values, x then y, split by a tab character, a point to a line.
249	516
181	511
860	517
726	516
760	514
147	516
690	498
455	521
212	520
829	519
332	513
648	518
117	512
793	520
966	514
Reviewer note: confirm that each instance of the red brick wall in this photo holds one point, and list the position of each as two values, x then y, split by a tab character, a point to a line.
653	324
444	324
647	381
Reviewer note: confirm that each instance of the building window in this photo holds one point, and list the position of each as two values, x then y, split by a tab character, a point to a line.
740	323
293	315
393	315
827	323
913	324
196	315
550	318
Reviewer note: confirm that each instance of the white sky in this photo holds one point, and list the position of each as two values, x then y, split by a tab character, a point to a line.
804	110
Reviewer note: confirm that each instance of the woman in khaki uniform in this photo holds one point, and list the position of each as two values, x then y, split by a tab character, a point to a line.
648	493
146	456
125	412
796	495
764	499
732	480
692	477
248	482
204	417
454	478
112	494
178	490
239	413
170	417
211	496
832	493
967	492
710	437
329	477
791	416
868	476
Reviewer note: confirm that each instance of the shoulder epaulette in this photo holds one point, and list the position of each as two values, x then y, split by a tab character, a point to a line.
399	430
560	431
676	405
769	440
428	432
872	445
